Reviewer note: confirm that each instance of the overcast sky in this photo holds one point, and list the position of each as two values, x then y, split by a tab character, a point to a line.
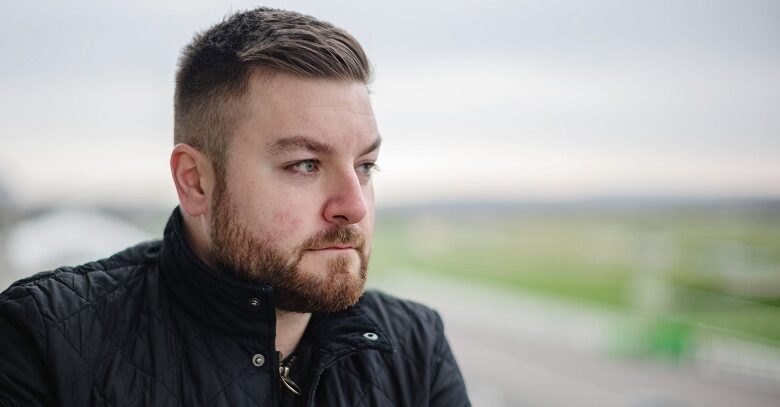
504	100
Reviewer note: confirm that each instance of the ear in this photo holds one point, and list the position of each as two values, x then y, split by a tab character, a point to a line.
193	175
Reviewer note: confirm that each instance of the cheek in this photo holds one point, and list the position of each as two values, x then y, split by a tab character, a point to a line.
367	227
286	222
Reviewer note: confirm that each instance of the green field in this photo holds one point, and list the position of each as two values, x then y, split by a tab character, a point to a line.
685	267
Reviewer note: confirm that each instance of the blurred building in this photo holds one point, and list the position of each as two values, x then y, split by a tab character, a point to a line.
64	237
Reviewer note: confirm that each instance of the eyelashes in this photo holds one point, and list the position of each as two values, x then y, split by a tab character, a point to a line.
305	167
312	167
369	168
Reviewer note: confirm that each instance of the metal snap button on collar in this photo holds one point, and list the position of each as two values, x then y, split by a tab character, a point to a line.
371	336
254	302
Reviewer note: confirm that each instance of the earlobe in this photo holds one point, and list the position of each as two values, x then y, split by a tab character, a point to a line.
193	177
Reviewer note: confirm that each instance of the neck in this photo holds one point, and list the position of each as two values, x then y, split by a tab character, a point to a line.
196	238
289	330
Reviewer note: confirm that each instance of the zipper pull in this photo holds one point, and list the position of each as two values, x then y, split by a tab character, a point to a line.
284	374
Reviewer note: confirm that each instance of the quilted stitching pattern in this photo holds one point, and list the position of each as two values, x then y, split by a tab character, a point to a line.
102	336
113	332
407	377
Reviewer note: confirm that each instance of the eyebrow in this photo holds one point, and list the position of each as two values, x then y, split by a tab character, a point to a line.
375	145
287	144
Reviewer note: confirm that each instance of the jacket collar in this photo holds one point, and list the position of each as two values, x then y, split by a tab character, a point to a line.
220	301
245	309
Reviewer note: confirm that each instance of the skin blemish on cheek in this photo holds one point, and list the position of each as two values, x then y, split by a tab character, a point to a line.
284	222
280	217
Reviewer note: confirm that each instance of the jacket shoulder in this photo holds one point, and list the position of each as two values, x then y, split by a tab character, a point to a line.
422	350
58	294
55	324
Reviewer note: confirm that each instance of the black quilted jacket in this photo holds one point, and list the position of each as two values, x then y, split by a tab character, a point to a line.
154	326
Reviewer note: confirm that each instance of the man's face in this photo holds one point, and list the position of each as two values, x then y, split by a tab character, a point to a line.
297	208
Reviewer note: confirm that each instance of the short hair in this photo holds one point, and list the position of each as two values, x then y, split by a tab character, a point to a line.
215	68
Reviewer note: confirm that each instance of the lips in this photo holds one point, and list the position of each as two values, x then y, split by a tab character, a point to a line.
334	247
336	239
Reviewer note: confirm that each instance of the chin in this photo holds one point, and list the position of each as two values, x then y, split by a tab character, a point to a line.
326	285
326	264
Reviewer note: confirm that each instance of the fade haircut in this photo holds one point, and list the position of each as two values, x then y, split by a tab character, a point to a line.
215	68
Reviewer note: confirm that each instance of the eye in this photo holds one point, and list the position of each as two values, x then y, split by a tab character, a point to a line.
305	167
368	168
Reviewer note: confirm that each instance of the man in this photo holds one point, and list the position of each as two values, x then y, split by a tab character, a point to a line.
255	294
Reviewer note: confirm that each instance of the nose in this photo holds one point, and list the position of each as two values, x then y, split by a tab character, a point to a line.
346	204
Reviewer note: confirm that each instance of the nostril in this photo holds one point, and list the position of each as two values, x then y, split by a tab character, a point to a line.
341	217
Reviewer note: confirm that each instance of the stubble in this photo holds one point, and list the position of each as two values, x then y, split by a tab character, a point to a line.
235	250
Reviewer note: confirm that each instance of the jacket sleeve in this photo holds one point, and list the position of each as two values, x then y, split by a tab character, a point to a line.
23	377
447	386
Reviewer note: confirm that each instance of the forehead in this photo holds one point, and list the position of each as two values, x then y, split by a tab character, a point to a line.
281	105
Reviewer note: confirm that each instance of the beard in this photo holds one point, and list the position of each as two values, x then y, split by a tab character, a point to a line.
234	249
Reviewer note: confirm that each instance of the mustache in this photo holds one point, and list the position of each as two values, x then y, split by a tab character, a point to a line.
337	235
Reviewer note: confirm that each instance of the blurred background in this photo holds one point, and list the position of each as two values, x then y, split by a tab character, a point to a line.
588	191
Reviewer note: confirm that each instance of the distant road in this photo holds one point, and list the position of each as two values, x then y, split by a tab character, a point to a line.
533	352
